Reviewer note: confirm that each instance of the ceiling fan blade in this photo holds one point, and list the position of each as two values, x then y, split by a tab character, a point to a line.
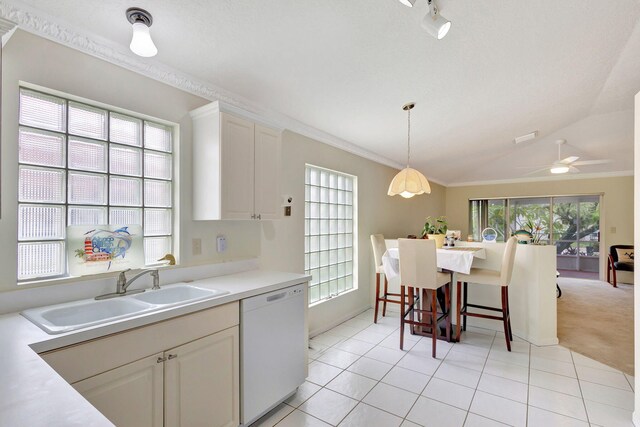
569	160
593	162
546	168
532	167
574	169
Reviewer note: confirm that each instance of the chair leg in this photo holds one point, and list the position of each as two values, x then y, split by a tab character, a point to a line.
458	303
505	318
615	278
375	312
608	271
401	317
509	314
464	305
434	322
386	291
447	308
412	301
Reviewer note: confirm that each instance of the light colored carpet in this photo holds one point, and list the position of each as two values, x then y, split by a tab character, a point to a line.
596	320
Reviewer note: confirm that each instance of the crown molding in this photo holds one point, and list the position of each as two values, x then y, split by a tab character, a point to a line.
47	26
563	177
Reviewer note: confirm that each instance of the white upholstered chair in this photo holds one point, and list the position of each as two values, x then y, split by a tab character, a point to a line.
418	271
500	278
379	248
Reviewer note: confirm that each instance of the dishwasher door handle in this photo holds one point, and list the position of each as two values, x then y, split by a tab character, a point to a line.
276	297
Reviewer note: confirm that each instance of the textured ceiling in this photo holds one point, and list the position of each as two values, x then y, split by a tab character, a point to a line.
566	68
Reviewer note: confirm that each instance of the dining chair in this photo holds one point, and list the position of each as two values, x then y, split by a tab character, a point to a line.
485	276
419	274
379	248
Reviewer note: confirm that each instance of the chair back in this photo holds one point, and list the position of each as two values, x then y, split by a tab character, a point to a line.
418	263
379	248
508	260
613	250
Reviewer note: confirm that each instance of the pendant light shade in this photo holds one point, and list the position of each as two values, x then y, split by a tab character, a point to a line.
409	182
141	43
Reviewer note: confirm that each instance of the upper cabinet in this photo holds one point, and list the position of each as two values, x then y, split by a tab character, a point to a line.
236	167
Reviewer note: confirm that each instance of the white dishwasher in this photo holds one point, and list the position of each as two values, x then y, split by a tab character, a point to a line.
273	348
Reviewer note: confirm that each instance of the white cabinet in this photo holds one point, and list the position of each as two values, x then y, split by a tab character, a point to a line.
200	378
236	167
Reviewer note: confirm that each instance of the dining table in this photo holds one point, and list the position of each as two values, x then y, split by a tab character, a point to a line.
455	259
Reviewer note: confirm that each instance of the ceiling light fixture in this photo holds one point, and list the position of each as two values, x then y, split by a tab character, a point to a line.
434	23
525	138
409	182
408	3
559	168
141	43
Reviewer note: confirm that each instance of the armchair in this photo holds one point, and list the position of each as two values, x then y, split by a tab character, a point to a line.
620	259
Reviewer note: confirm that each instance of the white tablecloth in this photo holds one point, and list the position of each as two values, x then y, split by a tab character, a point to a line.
447	259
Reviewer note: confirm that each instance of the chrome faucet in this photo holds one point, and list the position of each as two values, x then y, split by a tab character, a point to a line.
123	284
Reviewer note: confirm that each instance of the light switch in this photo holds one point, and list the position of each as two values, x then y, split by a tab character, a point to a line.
612	230
196	246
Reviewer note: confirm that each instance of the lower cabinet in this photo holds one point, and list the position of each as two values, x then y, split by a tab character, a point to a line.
195	384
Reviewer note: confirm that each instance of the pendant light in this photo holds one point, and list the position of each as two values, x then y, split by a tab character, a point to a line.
409	182
141	43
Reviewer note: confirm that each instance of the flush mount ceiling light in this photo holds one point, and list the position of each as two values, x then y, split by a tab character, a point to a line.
434	23
409	182
141	43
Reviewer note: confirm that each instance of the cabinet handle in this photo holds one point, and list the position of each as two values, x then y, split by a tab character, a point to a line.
161	359
259	216
253	216
172	356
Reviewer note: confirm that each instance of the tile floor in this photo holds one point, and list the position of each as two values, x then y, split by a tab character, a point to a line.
359	377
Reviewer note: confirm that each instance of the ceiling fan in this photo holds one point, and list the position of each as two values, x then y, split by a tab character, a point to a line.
568	164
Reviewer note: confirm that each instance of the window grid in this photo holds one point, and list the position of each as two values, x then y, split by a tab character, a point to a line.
106	207
329	232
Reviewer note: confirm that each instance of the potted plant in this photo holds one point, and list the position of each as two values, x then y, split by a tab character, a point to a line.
435	229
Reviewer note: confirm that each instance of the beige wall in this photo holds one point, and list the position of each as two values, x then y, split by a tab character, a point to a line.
616	211
283	241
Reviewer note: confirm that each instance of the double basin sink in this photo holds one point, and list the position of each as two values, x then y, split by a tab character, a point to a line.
57	319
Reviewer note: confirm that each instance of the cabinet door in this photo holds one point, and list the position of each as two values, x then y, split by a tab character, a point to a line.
202	382
237	170
267	179
129	396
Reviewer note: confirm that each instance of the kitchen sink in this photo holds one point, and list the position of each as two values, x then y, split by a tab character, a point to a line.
177	294
60	318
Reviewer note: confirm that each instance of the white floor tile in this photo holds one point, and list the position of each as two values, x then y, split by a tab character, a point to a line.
305	391
541	418
366	315
406	379
477	339
553	352
471	349
504	387
387	355
384	327
483	331
355	346
359	324
391	399
329	406
554	366
513	357
631	380
458	375
274	416
465	360
423	349
351	385
393	341
608	395
344	331
406	423
370	337
316	349
499	409
431	413
555	382
424	365
338	358
449	393
559	403
365	415
582	360
608	416
474	420
321	373
608	378
507	370
300	419
370	368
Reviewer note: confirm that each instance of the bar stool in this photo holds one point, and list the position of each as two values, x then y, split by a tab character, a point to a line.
418	270
379	248
500	278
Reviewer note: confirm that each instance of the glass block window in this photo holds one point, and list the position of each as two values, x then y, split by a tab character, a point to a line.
85	165
329	236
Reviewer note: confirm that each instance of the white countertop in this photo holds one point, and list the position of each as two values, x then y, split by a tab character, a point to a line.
34	394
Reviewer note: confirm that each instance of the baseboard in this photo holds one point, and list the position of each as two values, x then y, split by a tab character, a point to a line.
636	418
338	321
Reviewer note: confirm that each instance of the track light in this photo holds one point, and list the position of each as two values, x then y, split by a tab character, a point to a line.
408	3
434	23
141	43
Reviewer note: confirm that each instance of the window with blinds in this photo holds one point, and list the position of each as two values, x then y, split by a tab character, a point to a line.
330	230
84	165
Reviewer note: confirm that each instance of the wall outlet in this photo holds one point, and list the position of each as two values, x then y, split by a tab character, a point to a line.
612	230
221	243
287	211
196	246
